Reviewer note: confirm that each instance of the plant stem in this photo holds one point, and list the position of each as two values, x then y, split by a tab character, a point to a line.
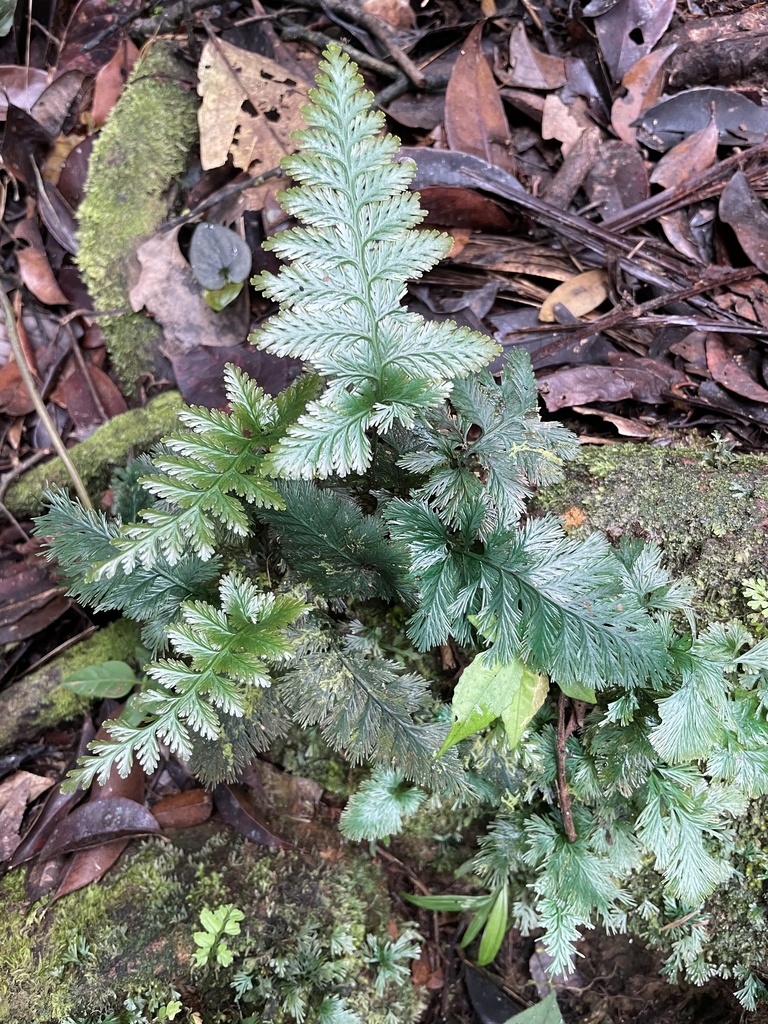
37	401
562	783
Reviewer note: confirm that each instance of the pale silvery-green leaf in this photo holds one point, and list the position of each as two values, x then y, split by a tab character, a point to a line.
340	296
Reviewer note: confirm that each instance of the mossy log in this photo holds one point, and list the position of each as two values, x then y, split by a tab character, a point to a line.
708	511
109	446
141	151
128	940
38	701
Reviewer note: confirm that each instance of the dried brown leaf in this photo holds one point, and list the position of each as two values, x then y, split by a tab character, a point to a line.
34	268
250	108
475	121
581	385
234	806
174	297
746	213
397	13
630	30
20	86
529	68
87	866
695	153
98	822
183	810
15	793
643	83
110	80
580	294
726	367
565	121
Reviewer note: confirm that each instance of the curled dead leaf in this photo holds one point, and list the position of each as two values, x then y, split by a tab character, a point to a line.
580	294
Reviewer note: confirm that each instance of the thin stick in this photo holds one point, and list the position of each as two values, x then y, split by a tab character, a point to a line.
39	404
219	197
562	783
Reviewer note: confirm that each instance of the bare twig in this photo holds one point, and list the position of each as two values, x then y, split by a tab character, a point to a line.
704	185
220	197
289	31
378	28
37	401
563	732
622	314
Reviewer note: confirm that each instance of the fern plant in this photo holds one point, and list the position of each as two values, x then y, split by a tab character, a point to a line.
279	539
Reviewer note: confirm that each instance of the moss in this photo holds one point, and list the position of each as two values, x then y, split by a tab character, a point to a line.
95	458
134	931
706	512
142	149
37	701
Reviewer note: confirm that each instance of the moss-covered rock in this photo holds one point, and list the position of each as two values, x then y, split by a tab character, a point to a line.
110	446
142	149
38	701
131	937
707	511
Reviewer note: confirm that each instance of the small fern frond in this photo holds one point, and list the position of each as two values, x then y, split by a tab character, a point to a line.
380	806
207	476
367	707
340	297
227	650
492	447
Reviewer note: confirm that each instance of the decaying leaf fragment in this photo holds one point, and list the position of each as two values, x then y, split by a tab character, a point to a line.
580	294
250	108
743	210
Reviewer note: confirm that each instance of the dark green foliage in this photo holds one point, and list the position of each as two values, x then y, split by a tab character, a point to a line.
367	707
333	547
491	449
81	539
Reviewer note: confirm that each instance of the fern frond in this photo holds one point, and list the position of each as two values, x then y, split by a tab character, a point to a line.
512	452
366	707
333	547
340	297
534	593
227	650
380	806
213	470
81	538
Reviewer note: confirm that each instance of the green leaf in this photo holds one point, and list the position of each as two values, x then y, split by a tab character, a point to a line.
495	929
527	701
577	691
449	904
220	298
508	691
545	1012
113	679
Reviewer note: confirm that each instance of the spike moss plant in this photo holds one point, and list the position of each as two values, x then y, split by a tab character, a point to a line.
389	484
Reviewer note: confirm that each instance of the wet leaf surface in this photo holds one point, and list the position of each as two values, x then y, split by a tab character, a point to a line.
97	822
